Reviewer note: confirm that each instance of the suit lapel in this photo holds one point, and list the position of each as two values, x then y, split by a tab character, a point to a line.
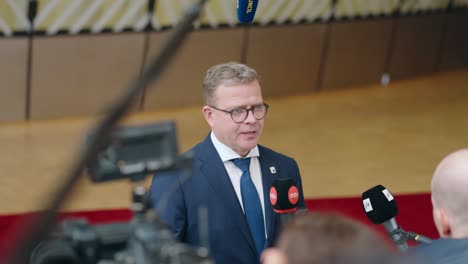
215	173
269	173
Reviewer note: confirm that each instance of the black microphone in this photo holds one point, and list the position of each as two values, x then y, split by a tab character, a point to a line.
246	10
284	197
381	208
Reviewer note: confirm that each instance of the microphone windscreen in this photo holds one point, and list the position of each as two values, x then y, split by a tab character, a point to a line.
284	195
379	204
246	10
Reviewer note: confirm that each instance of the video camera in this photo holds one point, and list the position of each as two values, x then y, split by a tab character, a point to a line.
131	152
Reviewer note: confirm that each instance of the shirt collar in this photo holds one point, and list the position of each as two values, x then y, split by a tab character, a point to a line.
226	153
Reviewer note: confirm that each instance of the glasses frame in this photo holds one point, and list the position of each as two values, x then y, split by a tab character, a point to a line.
252	109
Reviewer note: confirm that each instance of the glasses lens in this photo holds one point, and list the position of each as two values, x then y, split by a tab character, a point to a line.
260	111
239	115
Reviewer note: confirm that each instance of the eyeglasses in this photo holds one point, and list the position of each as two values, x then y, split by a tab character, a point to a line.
239	115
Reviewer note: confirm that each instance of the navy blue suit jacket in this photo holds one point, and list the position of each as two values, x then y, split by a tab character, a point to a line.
446	251
210	187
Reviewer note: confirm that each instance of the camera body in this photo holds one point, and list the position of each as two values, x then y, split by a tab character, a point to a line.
143	240
76	241
132	153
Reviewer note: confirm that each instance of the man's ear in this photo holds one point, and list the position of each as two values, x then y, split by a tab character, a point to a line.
208	114
442	222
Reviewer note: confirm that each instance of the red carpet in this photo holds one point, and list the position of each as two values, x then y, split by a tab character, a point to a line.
415	214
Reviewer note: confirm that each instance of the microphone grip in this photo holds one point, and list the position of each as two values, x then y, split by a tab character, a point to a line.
420	238
399	241
285	219
301	211
403	247
396	234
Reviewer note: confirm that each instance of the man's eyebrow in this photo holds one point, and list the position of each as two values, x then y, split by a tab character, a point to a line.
247	106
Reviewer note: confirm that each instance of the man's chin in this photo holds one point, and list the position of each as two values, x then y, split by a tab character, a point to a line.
249	146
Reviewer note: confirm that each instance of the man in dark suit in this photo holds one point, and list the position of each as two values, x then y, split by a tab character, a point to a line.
449	193
231	175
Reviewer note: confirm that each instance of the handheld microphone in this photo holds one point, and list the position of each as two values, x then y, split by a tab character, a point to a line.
381	208
284	197
246	10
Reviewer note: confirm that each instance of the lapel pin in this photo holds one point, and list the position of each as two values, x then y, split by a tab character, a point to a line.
273	170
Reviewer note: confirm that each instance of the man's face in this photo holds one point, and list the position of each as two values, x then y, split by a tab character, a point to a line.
244	136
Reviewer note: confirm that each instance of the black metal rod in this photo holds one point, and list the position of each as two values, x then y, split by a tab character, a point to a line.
32	12
40	228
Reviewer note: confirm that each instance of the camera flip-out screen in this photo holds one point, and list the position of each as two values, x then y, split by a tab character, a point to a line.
136	151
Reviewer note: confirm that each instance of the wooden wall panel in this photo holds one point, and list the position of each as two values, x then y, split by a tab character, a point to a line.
454	53
357	53
417	42
181	83
13	67
287	57
81	75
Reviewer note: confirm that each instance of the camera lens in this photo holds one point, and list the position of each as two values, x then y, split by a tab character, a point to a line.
54	252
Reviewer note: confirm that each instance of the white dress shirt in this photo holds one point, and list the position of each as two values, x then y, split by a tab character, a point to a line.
227	154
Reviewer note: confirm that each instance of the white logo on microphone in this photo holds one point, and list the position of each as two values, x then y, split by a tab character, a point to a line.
388	195
367	205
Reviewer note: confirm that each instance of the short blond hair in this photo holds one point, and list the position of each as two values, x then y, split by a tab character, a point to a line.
230	73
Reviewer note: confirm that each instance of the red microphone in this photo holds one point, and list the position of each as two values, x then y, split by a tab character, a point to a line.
284	197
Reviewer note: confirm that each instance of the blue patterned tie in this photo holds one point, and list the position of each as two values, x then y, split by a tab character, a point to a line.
252	206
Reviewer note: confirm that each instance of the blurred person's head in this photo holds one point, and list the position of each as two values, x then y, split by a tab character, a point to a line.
449	191
325	239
